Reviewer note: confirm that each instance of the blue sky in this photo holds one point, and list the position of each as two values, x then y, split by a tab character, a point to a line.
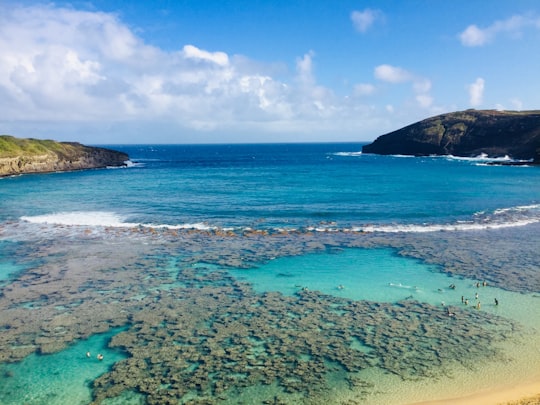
191	71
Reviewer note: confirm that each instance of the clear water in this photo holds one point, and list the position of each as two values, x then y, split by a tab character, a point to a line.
61	378
326	218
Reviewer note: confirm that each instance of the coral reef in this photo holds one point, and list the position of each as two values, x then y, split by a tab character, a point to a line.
195	334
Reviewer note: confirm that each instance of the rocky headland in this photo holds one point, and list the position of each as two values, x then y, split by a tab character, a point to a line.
467	133
23	156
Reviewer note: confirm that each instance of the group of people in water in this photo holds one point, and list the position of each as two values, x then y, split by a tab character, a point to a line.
466	300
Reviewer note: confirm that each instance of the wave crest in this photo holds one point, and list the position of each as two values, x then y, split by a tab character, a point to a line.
497	219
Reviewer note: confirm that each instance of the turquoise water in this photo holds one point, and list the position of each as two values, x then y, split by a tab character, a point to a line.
362	274
159	246
383	276
61	378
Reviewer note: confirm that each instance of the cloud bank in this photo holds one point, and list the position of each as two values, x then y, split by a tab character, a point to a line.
73	69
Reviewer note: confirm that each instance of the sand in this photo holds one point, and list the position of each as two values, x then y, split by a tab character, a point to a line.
525	394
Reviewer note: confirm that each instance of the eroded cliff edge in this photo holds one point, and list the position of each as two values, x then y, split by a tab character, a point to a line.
466	133
23	156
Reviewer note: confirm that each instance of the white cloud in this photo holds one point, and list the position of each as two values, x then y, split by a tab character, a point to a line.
395	75
67	70
476	92
392	74
304	67
363	20
364	89
192	52
475	36
517	104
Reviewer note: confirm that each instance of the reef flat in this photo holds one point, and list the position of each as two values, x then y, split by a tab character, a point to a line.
195	334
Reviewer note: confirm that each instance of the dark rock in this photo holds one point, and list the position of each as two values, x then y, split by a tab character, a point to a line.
466	133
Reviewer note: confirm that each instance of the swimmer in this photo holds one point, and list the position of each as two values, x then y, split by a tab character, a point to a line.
340	287
88	354
478	305
476	296
100	357
466	301
484	283
462	299
496	301
452	286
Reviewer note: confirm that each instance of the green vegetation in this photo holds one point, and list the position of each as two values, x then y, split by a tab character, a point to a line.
14	147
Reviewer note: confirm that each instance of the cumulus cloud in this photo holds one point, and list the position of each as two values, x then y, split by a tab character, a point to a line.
475	36
63	64
476	92
363	20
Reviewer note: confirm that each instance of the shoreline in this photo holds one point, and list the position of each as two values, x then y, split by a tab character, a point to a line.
522	394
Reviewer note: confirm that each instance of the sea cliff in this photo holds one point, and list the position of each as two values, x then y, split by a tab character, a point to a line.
22	156
467	133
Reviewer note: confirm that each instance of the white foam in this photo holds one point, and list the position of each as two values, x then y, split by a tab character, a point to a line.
347	154
445	227
519	208
80	218
200	226
104	219
127	165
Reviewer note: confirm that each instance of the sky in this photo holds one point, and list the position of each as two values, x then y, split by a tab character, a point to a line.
250	71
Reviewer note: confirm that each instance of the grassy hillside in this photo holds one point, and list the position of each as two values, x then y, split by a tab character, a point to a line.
13	147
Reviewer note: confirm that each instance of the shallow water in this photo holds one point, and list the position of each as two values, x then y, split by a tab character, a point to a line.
61	378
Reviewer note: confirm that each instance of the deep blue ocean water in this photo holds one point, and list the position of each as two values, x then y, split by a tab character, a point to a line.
284	185
299	189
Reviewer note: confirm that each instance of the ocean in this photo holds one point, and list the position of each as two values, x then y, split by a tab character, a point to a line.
269	274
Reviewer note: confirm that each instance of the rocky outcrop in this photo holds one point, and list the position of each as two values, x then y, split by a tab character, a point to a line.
466	133
22	156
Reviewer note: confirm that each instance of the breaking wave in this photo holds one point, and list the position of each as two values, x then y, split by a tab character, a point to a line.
102	219
347	154
497	219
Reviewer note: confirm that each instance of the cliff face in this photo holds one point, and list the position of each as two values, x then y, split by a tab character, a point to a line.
466	133
21	156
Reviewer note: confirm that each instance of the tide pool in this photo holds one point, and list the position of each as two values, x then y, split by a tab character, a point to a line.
382	275
58	379
359	274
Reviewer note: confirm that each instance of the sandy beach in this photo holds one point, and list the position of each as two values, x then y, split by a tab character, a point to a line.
526	394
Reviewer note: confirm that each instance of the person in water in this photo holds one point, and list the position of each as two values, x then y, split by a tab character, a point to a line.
100	357
496	301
